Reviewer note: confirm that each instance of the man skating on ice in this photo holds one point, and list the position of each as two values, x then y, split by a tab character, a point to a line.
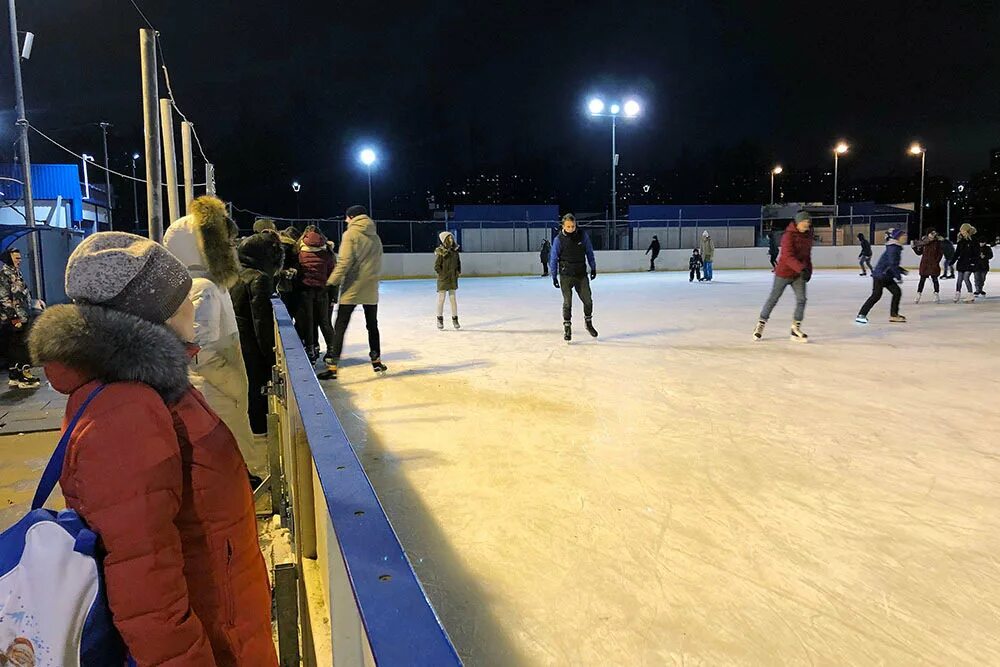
865	256
772	249
571	252
884	277
654	248
794	268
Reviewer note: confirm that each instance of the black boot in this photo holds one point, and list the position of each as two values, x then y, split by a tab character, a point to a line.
567	331
379	367
590	328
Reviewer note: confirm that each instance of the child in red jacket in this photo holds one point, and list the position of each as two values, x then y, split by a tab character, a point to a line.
794	268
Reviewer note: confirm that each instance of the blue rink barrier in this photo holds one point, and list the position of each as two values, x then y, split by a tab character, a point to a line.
350	565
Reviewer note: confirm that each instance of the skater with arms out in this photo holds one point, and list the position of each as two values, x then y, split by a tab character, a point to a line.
794	268
570	254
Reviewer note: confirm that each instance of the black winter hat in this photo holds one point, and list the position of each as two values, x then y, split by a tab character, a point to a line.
262	252
356	210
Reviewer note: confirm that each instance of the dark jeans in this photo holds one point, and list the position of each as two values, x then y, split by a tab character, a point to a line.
980	280
344	312
582	286
774	261
545	269
16	345
863	261
695	272
878	286
314	312
923	279
652	262
949	268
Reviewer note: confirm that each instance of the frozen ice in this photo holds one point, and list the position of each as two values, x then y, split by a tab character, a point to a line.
676	493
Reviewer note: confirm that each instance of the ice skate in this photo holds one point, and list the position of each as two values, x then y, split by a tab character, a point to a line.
440	323
937	297
28	379
567	331
590	328
797	334
328	360
454	323
758	331
917	300
971	298
897	319
330	373
379	367
861	319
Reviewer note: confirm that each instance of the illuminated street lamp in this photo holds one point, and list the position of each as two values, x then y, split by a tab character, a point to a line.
917	149
774	172
296	186
840	149
135	192
368	157
632	109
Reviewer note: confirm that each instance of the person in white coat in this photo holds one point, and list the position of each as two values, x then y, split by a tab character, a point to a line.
204	240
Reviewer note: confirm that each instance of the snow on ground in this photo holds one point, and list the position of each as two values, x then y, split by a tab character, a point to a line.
675	493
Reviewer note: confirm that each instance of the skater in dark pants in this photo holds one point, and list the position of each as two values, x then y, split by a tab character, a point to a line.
694	265
315	263
966	260
884	277
948	248
865	256
358	271
794	268
929	249
544	255
570	254
772	250
654	248
983	266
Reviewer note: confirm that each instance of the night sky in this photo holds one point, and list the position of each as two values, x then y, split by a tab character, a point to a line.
283	91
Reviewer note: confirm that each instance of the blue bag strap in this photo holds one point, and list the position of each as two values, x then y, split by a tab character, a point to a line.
53	469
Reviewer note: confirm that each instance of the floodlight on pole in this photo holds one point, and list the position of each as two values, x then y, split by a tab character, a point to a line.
135	194
840	149
774	172
596	106
917	149
632	109
615	109
368	158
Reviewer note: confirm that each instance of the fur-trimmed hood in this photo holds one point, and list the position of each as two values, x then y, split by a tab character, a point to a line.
81	343
202	240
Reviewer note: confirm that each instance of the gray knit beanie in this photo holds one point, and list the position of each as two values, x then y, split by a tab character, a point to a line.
128	273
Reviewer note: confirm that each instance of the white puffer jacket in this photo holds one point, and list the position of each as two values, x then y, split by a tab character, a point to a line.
202	241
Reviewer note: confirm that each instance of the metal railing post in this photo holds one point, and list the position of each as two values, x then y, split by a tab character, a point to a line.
286	607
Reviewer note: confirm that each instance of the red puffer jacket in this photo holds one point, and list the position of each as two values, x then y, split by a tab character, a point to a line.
316	261
796	253
156	474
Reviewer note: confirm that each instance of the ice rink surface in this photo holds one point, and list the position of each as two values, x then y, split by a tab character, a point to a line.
674	493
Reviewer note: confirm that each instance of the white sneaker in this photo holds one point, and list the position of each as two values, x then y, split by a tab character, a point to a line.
861	319
970	299
958	295
917	300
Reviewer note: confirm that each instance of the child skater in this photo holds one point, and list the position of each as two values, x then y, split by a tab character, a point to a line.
983	265
694	264
448	266
884	277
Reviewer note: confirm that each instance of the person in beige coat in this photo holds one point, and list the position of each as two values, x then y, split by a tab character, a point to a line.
204	241
358	270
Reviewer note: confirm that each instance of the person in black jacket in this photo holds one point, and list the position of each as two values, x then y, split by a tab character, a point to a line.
571	253
289	282
865	256
948	248
694	265
654	247
772	250
983	266
544	254
966	261
261	258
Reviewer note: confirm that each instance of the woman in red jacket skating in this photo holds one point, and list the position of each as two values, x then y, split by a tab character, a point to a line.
150	467
794	268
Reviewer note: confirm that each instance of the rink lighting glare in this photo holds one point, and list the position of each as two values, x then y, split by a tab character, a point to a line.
135	156
596	106
777	170
916	149
632	108
615	109
296	186
367	157
841	148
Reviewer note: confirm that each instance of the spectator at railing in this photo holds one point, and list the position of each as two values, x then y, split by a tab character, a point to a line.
260	258
150	466
289	282
316	261
204	241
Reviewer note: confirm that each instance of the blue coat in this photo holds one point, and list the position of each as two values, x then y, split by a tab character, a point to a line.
557	250
888	264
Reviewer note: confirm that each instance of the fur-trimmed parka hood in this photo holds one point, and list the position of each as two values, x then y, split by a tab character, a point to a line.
203	241
81	343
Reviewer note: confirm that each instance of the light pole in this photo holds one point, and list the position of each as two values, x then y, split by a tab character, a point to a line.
296	186
774	172
86	178
107	171
839	150
631	110
135	193
368	158
917	149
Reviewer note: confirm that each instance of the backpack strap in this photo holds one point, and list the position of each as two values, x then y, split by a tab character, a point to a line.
53	469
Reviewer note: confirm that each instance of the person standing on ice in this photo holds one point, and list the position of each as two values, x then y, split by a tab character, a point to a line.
707	254
447	266
544	254
358	271
966	261
654	247
929	249
772	250
884	277
694	265
983	266
948	248
794	268
865	256
571	252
